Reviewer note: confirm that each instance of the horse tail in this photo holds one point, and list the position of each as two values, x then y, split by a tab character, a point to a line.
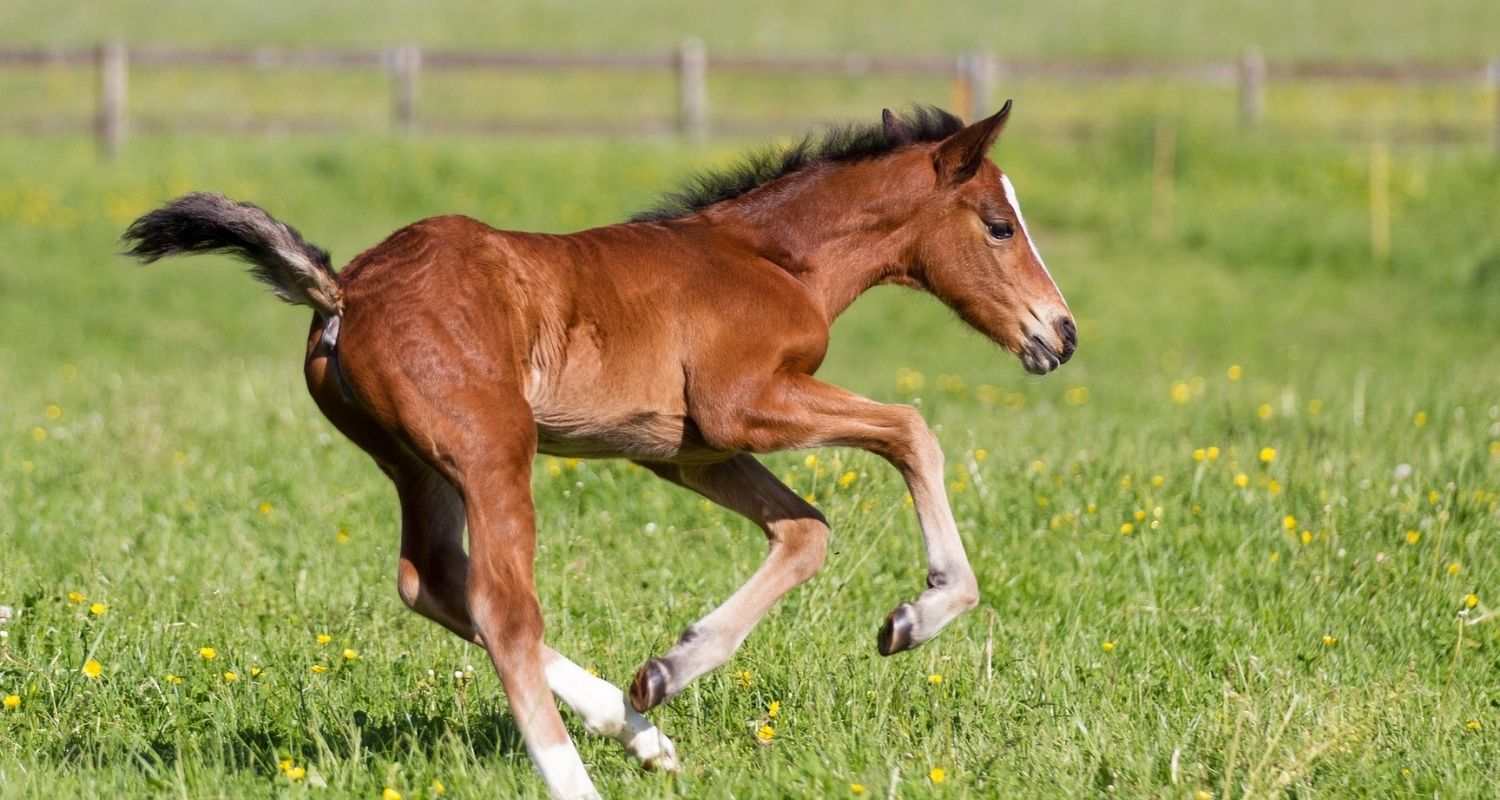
297	271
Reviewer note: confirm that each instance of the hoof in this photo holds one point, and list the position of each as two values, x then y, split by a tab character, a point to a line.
649	689
665	758
895	635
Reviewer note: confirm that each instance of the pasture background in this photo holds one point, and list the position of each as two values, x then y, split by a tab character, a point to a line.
160	455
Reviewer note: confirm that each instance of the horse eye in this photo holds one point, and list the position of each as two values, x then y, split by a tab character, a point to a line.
1001	229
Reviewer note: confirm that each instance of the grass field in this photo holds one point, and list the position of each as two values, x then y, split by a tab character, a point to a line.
1242	545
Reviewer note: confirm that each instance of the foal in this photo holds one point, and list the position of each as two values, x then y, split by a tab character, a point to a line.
685	340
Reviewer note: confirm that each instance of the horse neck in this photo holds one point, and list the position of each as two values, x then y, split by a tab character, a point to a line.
835	228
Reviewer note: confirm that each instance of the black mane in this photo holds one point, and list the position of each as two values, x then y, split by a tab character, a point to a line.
848	142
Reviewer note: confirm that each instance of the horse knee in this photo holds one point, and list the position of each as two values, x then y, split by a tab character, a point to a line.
804	543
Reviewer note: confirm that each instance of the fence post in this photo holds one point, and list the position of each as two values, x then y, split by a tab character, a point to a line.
1252	87
1494	84
406	64
692	90
109	121
982	79
961	91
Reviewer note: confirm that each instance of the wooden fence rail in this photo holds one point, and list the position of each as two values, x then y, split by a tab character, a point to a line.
973	79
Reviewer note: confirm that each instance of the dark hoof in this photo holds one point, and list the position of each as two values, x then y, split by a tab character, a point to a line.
895	635
649	689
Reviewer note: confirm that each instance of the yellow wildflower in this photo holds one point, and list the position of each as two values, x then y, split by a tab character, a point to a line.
1213	453
77	597
230	677
1264	411
92	669
1203	794
856	788
1419	419
266	509
1329	640
350	654
774	709
12	702
1412	537
1157	480
981	454
319	669
1267	455
935	679
390	794
438	788
324	638
255	672
207	653
1307	537
342	536
1473	725
53	412
847	478
1289	522
296	773
1471	600
744	678
766	733
937	775
1235	372
1200	454
1126	529
38	434
1108	647
172	679
1241	480
1315	406
98	609
1454	568
811	461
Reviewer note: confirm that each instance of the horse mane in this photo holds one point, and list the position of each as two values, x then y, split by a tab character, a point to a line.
846	142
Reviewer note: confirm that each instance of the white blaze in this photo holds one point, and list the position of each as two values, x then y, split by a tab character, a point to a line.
1010	197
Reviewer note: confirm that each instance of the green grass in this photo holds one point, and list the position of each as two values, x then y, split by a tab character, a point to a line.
159	455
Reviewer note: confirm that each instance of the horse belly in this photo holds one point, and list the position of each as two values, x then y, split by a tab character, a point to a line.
644	435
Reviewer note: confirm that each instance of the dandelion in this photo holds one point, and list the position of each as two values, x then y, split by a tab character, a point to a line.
981	454
1181	392
230	677
77	597
1473	725
856	788
324	638
12	702
1307	537
207	653
774	709
1273	487
296	773
266	508
172	679
53	412
255	672
1289	522
318	669
1235	372
1454	568
342	536
1203	794
847	478
1200	454
1213	453
1275	557
1264	411
1157	480
1139	515
1412	537
937	775
92	669
1433	497
350	654
1329	640
1471	600
1076	395
554	467
811	461
98	609
1315	406
1267	455
936	679
1419	419
1241	480
390	794
1126	529
1108	647
38	434
766	733
438	788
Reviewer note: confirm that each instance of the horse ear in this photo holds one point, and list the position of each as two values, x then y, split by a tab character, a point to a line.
897	132
959	156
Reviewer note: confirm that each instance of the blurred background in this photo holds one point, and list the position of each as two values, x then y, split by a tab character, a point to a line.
1275	221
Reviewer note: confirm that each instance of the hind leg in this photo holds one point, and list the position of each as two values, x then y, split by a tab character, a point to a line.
433	578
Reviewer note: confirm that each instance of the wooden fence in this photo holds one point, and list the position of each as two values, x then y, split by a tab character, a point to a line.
973	78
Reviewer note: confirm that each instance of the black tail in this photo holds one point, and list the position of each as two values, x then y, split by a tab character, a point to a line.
296	270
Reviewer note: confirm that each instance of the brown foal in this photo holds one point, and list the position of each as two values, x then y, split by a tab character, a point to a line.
685	340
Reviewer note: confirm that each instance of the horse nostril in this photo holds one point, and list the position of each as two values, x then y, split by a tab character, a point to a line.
1067	330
